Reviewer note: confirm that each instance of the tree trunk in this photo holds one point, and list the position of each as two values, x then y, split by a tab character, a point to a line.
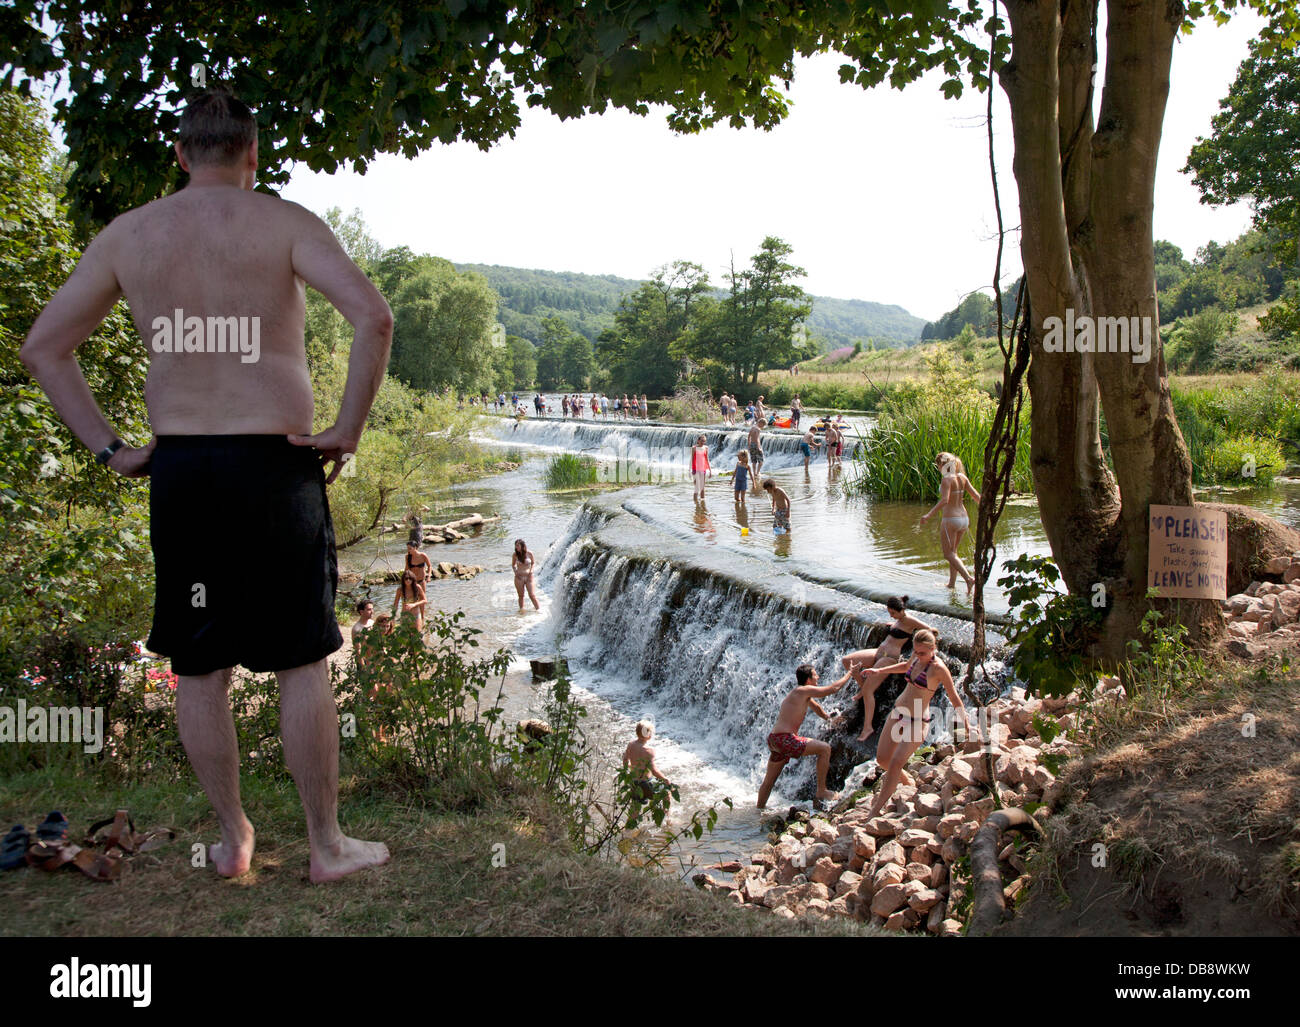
1086	201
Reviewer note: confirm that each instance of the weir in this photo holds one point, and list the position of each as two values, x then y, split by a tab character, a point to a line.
647	442
712	638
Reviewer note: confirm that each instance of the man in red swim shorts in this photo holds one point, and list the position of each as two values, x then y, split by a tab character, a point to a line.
784	742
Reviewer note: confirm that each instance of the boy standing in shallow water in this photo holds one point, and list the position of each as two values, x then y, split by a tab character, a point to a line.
780	506
784	744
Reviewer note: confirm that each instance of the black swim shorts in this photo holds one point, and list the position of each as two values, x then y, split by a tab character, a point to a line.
244	557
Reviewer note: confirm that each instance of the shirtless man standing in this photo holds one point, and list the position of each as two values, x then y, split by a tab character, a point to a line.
784	742
233	460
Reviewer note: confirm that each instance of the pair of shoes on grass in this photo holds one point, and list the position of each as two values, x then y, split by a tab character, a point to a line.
53	849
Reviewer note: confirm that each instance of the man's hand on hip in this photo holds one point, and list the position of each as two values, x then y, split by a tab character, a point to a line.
132	462
334	446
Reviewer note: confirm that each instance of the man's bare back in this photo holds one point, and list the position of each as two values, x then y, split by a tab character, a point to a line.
218	251
212	259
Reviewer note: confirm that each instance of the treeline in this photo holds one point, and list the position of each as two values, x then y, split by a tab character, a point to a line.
1245	272
674	328
586	303
976	311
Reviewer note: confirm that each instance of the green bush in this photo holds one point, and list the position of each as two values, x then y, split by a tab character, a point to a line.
896	460
1221	425
570	471
1247	459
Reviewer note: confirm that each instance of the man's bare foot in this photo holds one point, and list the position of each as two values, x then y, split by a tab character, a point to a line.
866	734
346	857
232	856
827	796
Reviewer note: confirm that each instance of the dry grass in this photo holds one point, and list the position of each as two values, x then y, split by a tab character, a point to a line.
1206	789
441	880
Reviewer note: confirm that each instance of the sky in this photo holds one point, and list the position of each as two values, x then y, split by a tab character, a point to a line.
884	194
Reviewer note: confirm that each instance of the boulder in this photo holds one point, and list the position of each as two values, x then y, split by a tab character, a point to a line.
889	873
929	803
826	871
924	900
883	827
891	852
960	774
949	824
895	922
889	899
916	872
913	837
1287	610
848	882
864	845
938	874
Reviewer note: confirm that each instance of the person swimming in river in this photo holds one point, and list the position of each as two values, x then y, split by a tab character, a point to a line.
700	466
639	759
740	484
780	506
900	635
784	742
522	563
410	599
905	727
954	521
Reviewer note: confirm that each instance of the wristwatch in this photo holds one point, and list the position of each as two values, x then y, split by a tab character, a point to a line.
106	454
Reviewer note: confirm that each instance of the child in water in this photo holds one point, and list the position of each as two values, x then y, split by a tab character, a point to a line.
741	483
639	759
780	506
700	466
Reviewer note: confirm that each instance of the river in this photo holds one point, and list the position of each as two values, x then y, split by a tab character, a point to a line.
668	610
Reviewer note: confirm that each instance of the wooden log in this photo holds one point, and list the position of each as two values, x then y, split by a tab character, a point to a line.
990	906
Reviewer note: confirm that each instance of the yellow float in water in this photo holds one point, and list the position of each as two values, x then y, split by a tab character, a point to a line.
744	531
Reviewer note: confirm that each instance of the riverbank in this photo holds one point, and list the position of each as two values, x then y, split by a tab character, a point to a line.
1173	814
442	879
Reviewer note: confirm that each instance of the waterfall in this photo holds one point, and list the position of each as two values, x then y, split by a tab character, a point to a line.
709	642
646	451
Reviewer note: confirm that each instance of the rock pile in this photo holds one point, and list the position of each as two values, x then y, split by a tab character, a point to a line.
905	869
1266	617
463	571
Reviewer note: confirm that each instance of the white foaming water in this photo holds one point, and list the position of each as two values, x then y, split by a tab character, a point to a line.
709	661
645	446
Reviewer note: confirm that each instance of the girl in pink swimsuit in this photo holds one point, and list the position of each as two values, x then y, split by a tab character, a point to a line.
700	466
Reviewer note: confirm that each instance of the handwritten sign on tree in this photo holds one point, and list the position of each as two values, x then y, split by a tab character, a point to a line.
1189	552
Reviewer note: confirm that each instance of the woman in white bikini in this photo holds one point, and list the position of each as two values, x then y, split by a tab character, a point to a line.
905	626
904	729
955	522
522	562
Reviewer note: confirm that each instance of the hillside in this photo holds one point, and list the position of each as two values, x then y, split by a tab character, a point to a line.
588	303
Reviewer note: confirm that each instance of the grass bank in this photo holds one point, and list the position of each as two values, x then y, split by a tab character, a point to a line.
1182	818
492	831
441	880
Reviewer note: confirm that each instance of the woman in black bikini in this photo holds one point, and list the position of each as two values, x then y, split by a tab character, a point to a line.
900	636
905	728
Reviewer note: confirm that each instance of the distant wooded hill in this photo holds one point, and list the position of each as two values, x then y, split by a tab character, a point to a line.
588	302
